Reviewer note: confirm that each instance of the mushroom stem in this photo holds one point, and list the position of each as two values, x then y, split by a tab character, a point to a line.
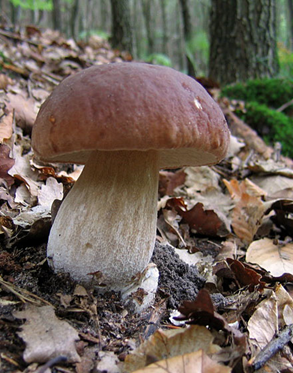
107	223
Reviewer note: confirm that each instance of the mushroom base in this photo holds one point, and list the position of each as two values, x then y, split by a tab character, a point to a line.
104	233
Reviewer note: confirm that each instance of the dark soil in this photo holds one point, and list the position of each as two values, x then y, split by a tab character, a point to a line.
101	319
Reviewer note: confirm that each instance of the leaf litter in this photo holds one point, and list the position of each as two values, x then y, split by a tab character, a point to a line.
223	247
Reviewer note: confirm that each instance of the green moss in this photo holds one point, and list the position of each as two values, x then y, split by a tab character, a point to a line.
271	92
270	124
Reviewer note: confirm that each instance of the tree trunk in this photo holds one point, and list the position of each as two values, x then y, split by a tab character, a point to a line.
147	13
56	14
242	40
187	31
165	48
15	14
290	23
74	19
122	35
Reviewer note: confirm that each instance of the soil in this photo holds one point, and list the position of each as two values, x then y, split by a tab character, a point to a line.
102	321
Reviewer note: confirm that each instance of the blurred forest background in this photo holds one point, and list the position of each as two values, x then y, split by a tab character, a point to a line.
177	33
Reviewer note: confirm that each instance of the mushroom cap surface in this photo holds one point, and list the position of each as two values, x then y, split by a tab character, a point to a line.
131	106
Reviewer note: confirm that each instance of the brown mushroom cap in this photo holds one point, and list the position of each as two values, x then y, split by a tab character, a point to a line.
131	106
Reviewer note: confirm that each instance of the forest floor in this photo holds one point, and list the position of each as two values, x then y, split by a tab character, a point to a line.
224	246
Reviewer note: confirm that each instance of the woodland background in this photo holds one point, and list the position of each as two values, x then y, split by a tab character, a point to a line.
179	33
234	220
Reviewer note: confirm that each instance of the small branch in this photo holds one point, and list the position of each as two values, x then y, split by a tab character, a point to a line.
52	362
272	348
283	107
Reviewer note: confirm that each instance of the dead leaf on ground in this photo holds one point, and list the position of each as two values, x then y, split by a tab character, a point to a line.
270	316
6	163
193	362
6	127
49	192
170	180
277	258
248	211
166	344
200	220
25	111
263	324
46	336
22	170
5	81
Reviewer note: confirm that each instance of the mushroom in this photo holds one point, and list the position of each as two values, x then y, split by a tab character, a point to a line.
124	121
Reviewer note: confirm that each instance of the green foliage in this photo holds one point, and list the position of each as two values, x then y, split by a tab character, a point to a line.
85	34
199	43
159	59
262	96
286	61
33	4
271	124
271	92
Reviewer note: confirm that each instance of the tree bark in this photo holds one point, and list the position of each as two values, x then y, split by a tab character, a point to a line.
74	19
242	40
147	13
187	31
122	34
165	48
290	23
56	14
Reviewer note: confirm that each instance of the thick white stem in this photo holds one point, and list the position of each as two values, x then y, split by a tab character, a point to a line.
107	223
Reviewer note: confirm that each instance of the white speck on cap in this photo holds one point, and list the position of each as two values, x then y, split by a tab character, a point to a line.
197	104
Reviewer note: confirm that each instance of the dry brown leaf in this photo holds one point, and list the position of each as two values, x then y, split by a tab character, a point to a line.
285	306
200	219
22	170
275	258
263	324
49	192
25	112
5	81
46	336
167	344
248	211
6	163
199	179
271	315
273	184
6	128
194	362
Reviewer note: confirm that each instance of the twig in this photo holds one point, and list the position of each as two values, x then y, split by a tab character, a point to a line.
283	107
22	294
11	35
272	348
49	364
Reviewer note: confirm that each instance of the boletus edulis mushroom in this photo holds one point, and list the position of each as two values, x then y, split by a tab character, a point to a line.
124	121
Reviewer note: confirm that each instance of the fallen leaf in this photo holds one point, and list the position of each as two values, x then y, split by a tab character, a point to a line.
275	258
246	276
22	170
5	81
200	179
25	111
49	192
263	324
273	184
248	211
200	220
6	163
194	362
6	127
46	336
168	181
201	311
166	344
